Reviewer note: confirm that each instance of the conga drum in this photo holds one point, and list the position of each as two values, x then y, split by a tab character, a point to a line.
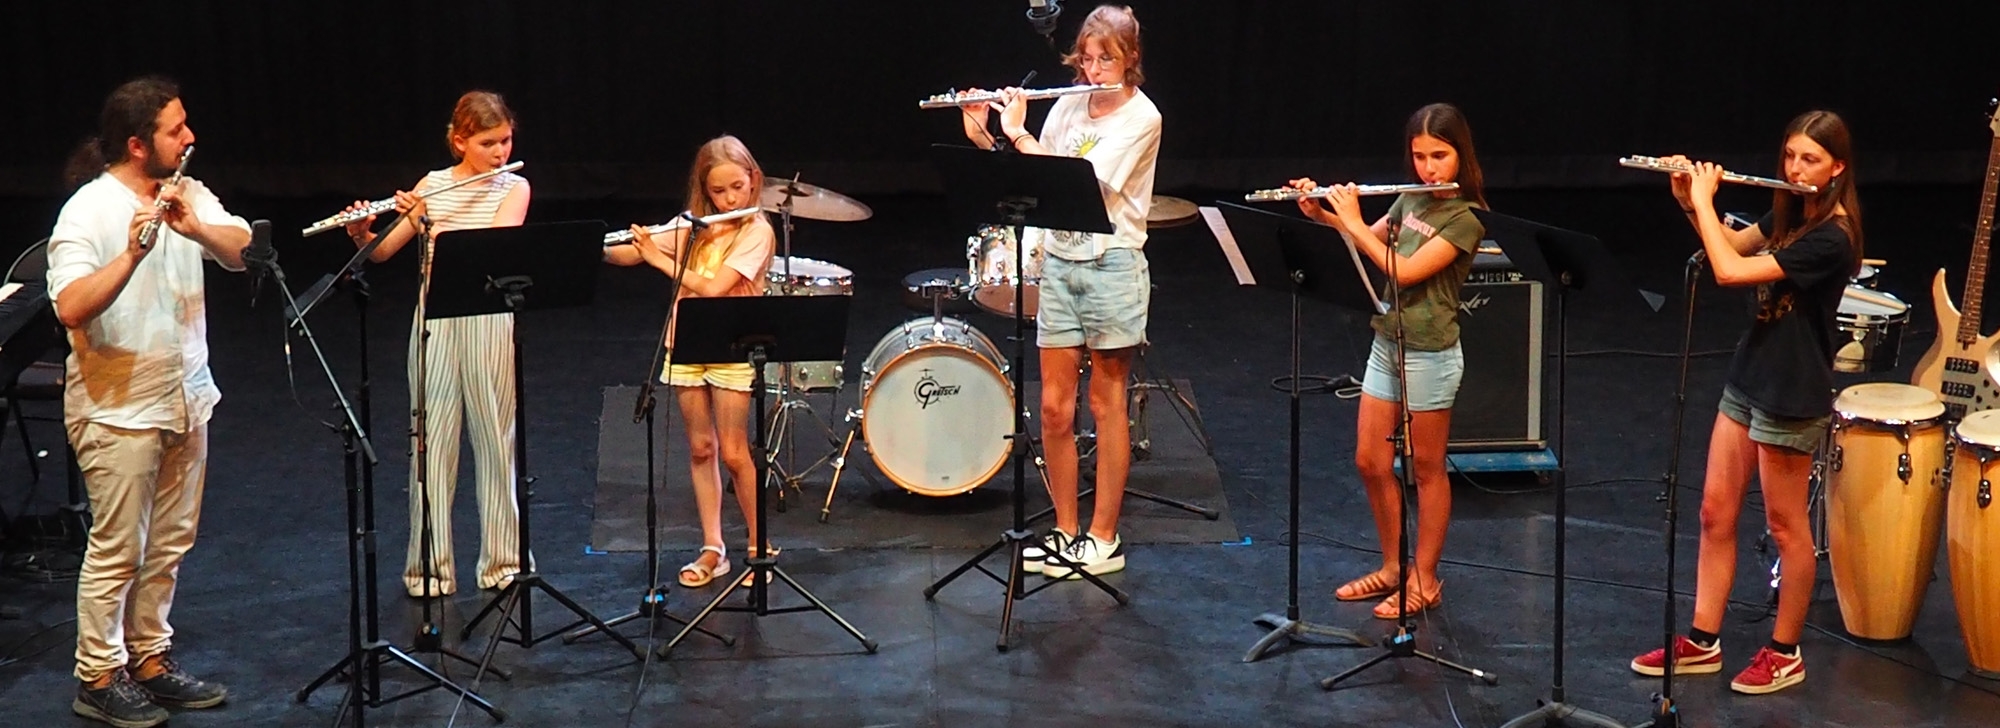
1885	504
1972	528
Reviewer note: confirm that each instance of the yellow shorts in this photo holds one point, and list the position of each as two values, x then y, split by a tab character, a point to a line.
733	377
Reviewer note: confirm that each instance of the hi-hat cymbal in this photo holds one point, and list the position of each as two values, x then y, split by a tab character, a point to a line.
811	202
1170	212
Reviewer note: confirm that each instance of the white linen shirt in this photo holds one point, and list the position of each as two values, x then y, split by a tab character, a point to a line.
143	363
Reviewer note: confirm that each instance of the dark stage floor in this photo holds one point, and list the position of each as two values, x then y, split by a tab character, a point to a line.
263	600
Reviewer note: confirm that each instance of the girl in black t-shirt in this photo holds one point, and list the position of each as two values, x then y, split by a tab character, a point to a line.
1779	393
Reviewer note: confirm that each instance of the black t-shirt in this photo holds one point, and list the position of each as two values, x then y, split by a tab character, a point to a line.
1784	364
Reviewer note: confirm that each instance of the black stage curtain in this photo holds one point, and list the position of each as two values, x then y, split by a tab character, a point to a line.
294	99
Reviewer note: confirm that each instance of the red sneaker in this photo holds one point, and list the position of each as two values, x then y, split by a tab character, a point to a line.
1689	659
1770	672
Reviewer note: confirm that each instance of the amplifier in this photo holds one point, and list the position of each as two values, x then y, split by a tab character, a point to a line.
1500	320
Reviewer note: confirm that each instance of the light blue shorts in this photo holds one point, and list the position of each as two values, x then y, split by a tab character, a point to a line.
1098	303
1434	375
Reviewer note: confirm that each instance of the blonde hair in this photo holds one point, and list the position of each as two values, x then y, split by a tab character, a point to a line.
477	111
1118	29
725	149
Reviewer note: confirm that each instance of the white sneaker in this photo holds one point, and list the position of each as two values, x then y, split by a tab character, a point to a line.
1034	554
1097	556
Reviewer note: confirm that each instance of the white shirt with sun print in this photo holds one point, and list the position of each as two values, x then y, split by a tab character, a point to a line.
1123	146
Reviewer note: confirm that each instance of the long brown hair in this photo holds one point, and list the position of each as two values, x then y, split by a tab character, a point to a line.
1448	124
476	111
725	149
1117	27
131	111
1829	131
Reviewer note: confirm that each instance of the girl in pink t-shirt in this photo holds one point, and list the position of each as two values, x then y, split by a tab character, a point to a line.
728	258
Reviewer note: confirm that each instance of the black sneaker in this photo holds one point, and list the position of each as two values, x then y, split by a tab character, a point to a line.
122	703
175	687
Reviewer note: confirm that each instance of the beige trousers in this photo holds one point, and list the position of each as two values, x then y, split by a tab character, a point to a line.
145	500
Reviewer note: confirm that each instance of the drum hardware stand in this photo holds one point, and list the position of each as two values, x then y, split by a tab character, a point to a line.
1086	439
1183	406
368	652
855	417
980	178
558	254
1828	457
783	477
653	603
1402	643
756	328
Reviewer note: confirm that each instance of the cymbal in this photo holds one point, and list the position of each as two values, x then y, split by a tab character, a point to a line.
1170	212
811	202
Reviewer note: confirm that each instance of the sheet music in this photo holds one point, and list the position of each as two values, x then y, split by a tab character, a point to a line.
1213	216
8	289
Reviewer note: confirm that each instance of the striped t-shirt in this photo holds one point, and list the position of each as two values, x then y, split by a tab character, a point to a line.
467	208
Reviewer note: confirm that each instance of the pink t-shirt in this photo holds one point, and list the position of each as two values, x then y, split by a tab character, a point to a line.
746	250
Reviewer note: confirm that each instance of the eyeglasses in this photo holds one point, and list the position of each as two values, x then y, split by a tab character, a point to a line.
1099	61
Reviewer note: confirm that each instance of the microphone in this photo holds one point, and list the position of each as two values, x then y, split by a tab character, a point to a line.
1042	16
260	257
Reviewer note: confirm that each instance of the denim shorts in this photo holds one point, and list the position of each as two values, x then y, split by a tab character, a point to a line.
1801	434
1434	375
1098	303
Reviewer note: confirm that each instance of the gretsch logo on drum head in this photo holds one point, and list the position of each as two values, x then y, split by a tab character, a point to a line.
930	391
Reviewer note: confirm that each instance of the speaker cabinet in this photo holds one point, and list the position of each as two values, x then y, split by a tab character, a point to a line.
1499	405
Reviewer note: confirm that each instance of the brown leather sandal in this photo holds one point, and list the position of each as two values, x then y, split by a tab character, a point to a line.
1377	584
1392	607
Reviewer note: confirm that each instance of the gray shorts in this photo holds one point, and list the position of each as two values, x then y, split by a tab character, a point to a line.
1098	303
1801	434
1434	375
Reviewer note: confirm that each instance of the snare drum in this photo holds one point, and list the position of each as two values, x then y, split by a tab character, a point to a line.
937	406
1885	504
1872	322
991	258
794	276
1867	277
1972	538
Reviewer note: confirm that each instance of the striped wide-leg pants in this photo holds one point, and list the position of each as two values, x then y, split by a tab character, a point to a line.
468	388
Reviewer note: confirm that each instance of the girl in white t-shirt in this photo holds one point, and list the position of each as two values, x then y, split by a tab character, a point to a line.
1096	288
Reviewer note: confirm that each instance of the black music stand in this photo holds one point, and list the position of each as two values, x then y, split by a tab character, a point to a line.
760	330
362	666
1302	258
1049	192
511	270
1564	260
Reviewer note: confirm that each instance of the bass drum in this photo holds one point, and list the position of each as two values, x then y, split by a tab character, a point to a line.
936	406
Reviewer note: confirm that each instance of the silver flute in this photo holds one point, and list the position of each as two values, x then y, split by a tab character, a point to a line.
381	206
956	99
621	237
1657	164
1282	194
150	232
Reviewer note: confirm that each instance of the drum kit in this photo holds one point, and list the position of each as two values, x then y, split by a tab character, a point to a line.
936	400
1892	475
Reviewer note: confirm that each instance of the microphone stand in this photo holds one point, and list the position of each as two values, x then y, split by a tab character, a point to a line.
366	650
1402	642
1666	713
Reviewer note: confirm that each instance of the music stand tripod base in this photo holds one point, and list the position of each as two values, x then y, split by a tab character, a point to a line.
762	329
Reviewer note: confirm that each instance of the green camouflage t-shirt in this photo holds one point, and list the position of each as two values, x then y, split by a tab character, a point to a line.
1430	308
